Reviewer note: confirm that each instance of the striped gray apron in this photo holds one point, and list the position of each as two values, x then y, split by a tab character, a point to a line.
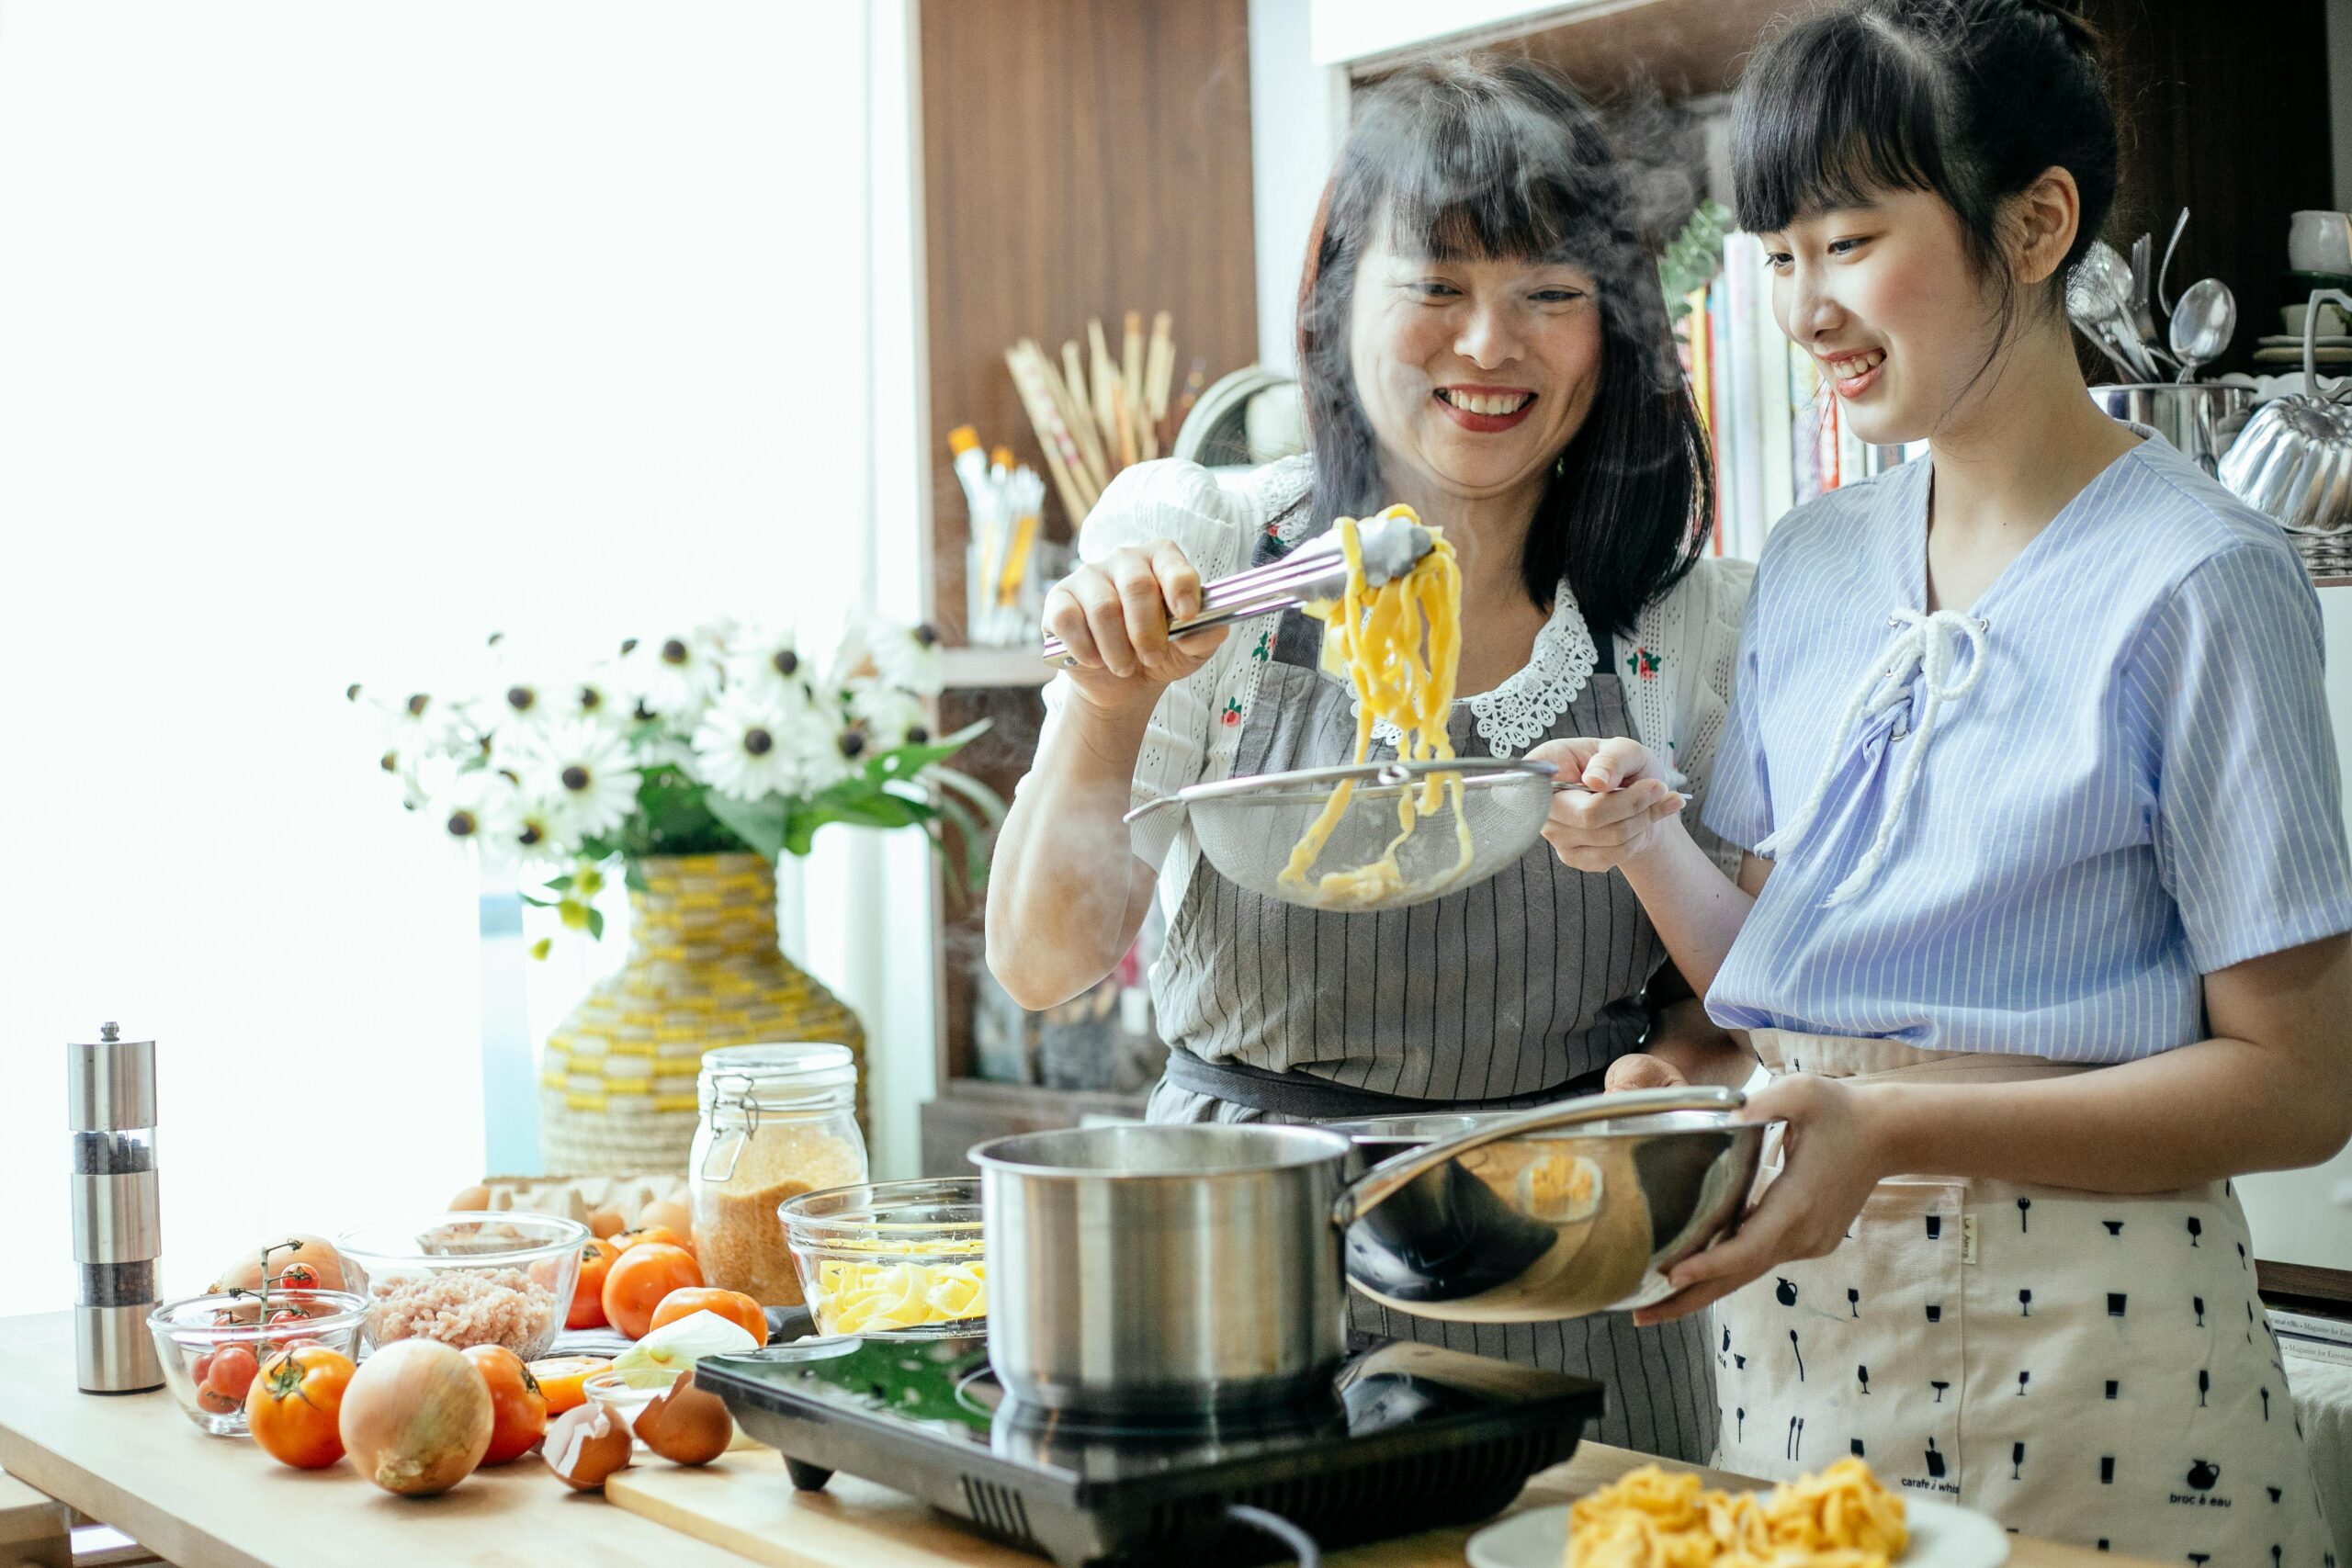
1522	988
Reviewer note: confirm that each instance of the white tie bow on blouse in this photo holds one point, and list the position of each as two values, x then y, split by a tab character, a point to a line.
1927	643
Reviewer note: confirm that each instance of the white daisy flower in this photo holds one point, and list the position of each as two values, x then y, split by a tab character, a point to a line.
477	809
769	664
536	836
676	676
902	655
750	746
585	771
891	717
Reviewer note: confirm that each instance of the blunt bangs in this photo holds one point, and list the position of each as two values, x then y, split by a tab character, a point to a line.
1479	176
1834	112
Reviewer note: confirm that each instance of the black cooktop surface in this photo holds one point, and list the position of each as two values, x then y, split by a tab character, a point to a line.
1412	1436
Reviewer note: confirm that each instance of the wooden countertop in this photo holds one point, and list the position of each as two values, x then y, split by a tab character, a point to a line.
137	1464
745	1503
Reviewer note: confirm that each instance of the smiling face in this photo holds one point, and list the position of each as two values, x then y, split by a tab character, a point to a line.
1885	298
1474	372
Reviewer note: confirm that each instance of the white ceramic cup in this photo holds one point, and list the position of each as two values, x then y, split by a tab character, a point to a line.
2320	242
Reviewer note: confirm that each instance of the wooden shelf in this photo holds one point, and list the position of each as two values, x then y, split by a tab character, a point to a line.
984	669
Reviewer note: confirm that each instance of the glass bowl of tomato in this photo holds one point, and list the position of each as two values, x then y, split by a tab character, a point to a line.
902	1258
213	1346
474	1278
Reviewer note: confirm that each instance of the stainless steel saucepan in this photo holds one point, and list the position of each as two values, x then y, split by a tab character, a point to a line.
1175	1270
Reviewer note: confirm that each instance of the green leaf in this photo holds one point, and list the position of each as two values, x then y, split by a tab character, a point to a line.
905	761
595	924
976	841
560	884
759	823
989	803
535	903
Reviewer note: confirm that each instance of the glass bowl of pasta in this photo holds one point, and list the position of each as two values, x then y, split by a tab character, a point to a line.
1368	836
891	1257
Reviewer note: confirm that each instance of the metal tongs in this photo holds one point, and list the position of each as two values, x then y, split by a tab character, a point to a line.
1316	570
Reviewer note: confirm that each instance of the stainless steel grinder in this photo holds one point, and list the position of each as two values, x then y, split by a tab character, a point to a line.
118	1219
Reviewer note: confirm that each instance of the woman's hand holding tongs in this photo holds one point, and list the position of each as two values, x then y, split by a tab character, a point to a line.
1113	614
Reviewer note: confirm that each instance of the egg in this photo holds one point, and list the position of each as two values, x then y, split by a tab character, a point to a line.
605	1221
472	1197
584	1445
677	1216
686	1426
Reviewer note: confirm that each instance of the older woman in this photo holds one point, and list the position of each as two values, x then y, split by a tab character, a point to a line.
1482	336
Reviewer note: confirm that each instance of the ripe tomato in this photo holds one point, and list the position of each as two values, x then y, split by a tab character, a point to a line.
562	1380
639	1278
651	1234
295	1407
518	1409
587	1309
233	1372
732	1305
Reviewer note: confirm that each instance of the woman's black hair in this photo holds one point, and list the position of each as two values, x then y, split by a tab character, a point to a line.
1501	159
1971	100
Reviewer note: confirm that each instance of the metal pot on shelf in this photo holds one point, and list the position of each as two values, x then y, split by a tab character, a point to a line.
1172	1270
2200	419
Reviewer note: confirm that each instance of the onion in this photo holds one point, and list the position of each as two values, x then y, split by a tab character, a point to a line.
416	1418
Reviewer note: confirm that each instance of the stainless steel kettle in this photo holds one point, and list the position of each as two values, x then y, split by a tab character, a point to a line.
2293	459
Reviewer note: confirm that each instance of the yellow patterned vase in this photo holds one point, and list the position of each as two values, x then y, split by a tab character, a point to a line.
617	1085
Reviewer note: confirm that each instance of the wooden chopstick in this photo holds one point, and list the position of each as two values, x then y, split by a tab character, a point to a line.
1159	370
1061	449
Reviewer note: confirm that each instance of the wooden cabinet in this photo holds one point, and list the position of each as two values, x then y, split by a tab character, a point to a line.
1081	159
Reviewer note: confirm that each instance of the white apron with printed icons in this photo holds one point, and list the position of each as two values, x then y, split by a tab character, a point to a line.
2086	1368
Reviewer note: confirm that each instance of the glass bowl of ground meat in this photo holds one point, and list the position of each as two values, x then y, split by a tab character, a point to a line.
466	1278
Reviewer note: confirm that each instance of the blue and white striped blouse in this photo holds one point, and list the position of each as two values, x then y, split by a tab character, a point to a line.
2139	788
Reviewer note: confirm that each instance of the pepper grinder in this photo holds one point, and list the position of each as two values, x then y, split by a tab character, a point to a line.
118	1218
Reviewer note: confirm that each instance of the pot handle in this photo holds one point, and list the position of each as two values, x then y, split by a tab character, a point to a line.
1390	1177
2312	386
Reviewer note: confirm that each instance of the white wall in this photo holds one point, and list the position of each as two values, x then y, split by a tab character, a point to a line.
2305	1216
1298	114
331	339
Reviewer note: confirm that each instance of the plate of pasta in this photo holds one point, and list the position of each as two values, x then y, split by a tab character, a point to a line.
1837	1518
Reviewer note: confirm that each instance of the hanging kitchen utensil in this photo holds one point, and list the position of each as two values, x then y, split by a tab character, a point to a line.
1248	827
2293	460
2142	316
2202	325
2098	317
2164	298
1176	1269
1318	570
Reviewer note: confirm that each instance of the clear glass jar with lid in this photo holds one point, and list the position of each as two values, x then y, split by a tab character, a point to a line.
777	1121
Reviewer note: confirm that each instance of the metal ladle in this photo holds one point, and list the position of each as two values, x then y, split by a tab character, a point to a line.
2203	324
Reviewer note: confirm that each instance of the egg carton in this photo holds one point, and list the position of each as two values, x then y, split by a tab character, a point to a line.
581	1198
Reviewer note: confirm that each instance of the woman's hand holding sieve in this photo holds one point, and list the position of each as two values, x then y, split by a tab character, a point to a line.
1623	809
1113	616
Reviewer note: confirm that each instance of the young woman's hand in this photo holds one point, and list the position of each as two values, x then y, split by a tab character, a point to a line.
1114	614
1830	1160
1628	803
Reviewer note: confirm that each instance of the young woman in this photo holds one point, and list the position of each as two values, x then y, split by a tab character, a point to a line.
1483	336
2042	932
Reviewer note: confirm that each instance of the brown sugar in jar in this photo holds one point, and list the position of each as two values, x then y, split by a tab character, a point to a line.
777	1121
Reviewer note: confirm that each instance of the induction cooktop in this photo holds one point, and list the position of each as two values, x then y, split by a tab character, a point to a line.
1411	1438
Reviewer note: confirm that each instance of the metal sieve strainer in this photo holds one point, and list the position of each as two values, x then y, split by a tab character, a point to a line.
1248	826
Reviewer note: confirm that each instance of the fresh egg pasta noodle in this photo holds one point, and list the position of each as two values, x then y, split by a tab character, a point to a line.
1400	645
1839	1517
